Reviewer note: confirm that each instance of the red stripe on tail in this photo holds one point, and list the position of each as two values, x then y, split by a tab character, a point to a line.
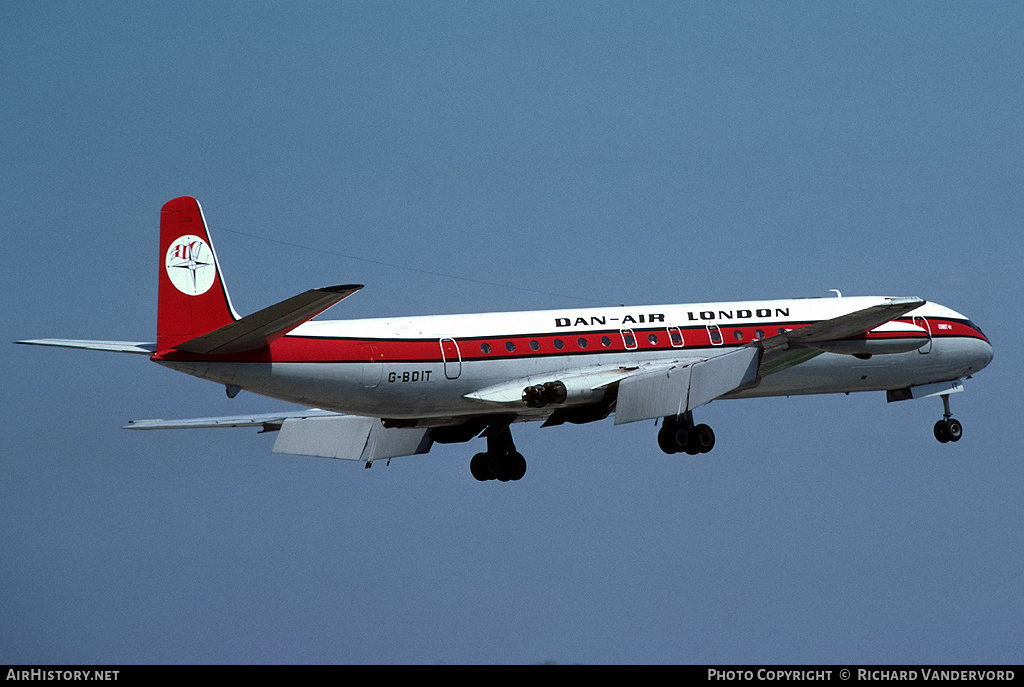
192	298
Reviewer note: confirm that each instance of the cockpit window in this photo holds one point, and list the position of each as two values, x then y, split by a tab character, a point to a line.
975	327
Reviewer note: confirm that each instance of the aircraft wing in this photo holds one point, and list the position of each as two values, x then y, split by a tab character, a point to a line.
845	326
798	345
315	432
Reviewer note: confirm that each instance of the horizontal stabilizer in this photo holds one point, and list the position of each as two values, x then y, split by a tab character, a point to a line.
260	328
140	347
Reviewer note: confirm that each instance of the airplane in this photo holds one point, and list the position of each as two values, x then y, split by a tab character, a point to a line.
383	388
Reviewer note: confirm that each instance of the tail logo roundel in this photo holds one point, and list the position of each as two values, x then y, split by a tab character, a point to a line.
190	265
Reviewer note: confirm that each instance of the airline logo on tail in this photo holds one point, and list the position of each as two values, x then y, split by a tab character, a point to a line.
190	265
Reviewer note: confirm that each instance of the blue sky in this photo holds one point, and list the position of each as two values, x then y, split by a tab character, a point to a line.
541	155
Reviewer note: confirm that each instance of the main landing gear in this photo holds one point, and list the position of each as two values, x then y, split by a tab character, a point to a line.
501	461
678	434
948	429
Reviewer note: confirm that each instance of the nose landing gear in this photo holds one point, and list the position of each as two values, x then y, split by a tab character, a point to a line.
948	429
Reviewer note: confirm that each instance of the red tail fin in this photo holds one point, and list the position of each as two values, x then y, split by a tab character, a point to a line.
192	298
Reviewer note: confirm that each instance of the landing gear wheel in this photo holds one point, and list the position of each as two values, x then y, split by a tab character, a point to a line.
673	437
683	437
948	430
517	466
666	442
678	435
954	430
703	438
478	467
495	466
500	461
504	467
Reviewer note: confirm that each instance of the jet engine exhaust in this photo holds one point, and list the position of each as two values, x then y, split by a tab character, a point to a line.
540	395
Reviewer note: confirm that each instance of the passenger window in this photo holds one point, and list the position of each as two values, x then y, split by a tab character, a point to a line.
581	342
605	341
534	345
558	344
510	347
485	347
738	335
653	338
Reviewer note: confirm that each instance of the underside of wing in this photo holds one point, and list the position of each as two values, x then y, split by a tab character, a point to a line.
268	421
316	432
641	391
679	389
580	386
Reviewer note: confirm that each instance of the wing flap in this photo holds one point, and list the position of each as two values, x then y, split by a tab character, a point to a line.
343	436
316	432
349	437
675	390
655	394
262	327
717	376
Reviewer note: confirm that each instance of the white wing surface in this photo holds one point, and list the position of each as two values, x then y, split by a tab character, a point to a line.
316	432
680	388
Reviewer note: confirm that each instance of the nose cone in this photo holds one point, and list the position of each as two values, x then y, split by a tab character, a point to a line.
979	351
984	354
